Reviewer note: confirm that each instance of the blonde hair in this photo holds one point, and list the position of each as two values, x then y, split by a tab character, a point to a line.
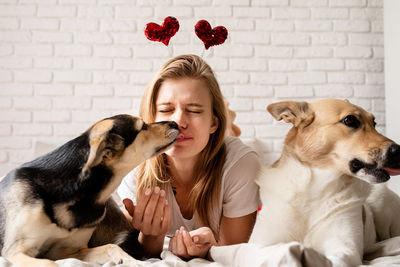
155	172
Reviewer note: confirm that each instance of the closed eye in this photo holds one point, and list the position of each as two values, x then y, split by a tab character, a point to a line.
351	121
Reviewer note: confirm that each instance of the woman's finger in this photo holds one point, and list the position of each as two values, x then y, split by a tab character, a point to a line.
140	208
130	208
149	211
180	246
166	218
159	212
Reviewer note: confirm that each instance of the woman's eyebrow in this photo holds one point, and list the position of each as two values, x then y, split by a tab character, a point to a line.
194	105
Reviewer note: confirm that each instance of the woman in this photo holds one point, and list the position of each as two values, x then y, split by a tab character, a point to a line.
201	192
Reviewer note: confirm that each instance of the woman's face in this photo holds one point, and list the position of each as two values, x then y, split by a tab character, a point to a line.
187	101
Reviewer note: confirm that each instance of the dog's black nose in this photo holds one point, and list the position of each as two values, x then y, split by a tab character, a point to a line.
393	151
173	125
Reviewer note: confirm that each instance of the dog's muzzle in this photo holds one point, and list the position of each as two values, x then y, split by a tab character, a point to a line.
381	172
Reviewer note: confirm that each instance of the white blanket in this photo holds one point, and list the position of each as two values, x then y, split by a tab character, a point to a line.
385	253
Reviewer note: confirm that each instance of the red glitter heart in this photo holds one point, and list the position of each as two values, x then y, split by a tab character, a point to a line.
163	33
210	37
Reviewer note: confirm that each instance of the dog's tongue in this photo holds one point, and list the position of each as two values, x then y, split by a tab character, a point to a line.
392	172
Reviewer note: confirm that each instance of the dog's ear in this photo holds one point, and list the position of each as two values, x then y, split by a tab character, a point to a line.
103	147
297	113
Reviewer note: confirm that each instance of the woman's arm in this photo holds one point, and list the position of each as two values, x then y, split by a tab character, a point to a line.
236	230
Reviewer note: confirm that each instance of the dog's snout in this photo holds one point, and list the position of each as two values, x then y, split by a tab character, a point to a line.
173	125
393	151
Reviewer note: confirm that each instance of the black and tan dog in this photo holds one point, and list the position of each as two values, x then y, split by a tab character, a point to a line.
59	205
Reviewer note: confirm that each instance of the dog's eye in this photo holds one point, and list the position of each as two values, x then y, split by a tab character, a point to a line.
351	121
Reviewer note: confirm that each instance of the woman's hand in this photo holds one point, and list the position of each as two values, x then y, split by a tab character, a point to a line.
151	217
196	243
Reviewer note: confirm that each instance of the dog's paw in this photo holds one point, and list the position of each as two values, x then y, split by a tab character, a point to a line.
119	256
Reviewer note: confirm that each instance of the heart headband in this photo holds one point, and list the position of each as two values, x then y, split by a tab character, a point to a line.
209	36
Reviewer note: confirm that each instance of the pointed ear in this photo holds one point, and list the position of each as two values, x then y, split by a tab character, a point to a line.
297	113
103	147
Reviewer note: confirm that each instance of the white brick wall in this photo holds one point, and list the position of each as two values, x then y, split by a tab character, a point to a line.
65	64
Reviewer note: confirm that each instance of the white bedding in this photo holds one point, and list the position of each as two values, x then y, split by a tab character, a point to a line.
385	253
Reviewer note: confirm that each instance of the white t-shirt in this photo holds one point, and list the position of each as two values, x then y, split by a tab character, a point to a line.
239	194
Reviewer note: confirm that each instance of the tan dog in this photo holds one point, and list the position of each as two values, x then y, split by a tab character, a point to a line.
316	191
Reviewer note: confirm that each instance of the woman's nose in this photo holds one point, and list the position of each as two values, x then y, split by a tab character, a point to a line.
180	118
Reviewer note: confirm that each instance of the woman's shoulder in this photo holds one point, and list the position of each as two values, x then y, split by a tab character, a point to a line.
237	151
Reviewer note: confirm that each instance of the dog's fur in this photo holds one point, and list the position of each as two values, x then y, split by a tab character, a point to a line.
59	205
316	192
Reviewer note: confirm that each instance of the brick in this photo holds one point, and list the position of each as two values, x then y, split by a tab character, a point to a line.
268	78
6	49
9	23
93	90
84	63
261	103
270	3
56	11
323	64
93	38
33	49
177	11
110	77
111	103
365	65
333	90
20	157
150	51
295	39
378	105
52	37
370	13
274	25
231	2
238	50
107	25
90	116
32	103
15	36
16	89
5	103
347	3
248	64
272	131
287	65
93	11
112	51
351	26
253	91
15	142
73	50
378	52
70	129
209	12
253	118
239	24
5	129
78	24
240	104
133	12
14	116
250	37
313	26
71	102
232	77
375	78
52	63
366	39
218	64
254	12
353	52
290	13
161	2
331	39
377	26
32	129
307	78
129	90
39	24
293	91
51	116
273	52
33	76
329	13
16	62
3	157
17	11
53	89
346	78
142	78
309	3
369	91
72	76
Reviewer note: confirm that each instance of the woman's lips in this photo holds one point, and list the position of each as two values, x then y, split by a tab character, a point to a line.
182	138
